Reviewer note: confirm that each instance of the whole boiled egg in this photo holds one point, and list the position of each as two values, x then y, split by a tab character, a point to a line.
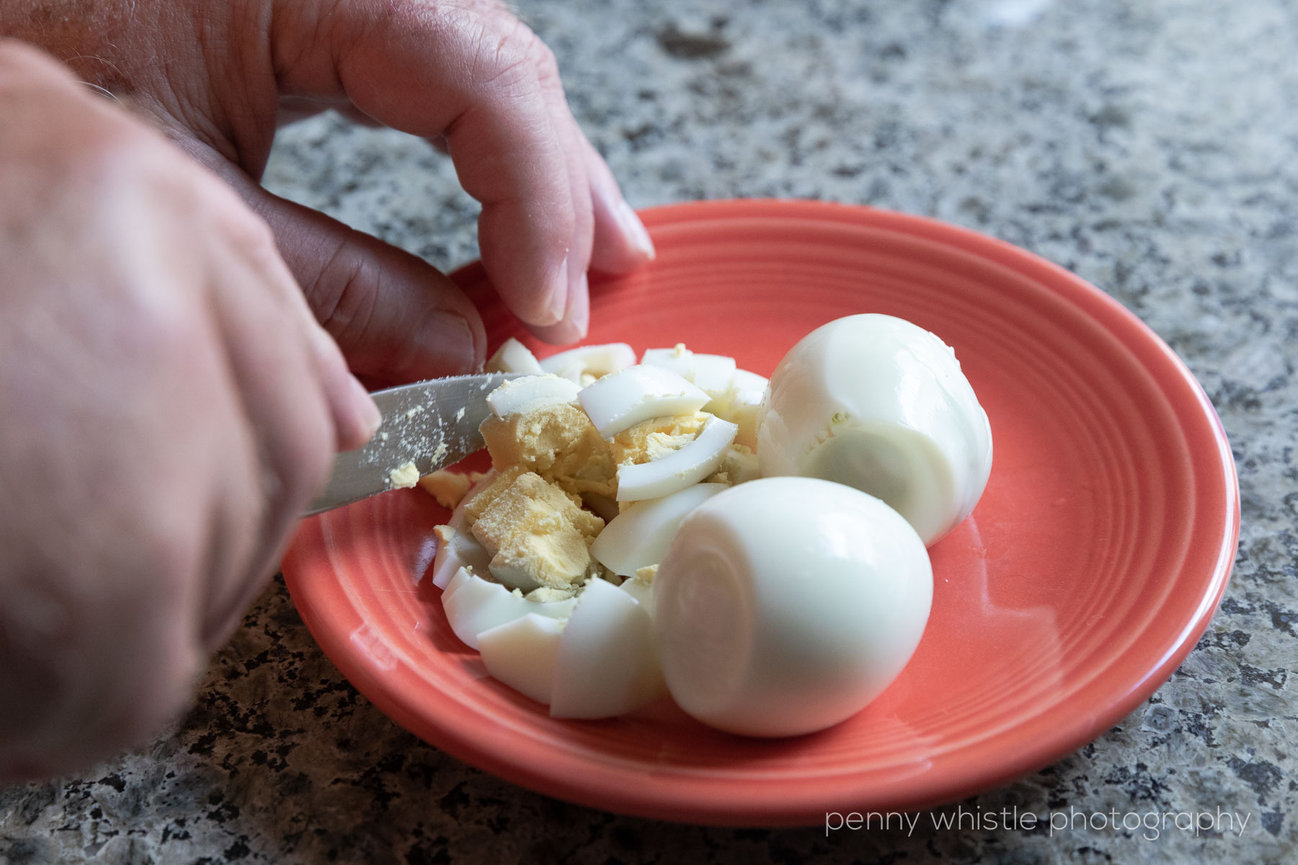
785	605
880	404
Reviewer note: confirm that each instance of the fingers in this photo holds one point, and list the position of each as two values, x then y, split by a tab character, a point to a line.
396	318
621	242
472	75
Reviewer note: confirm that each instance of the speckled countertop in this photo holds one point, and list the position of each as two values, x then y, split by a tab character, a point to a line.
1150	147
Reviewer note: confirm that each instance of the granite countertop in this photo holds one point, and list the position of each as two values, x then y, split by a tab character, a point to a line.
1151	148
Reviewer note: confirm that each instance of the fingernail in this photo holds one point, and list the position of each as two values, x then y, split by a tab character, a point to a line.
367	415
634	229
558	300
579	307
462	343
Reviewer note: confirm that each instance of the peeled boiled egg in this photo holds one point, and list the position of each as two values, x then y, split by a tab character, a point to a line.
785	605
881	404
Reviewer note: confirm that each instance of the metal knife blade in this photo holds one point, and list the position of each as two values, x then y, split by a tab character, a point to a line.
433	423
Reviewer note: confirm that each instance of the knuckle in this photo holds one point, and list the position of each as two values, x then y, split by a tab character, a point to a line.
345	293
507	55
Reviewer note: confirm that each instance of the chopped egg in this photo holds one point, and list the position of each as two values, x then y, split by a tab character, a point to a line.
447	487
536	534
404	476
679	469
513	356
531	392
879	403
785	605
625	545
623	399
638	537
607	660
585	363
712	373
473	605
522	653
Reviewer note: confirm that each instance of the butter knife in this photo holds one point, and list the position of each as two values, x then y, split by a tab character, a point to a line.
431	423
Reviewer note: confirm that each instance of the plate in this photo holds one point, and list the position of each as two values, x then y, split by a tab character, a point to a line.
1089	569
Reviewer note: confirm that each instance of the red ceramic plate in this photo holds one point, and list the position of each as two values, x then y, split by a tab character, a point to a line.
1090	568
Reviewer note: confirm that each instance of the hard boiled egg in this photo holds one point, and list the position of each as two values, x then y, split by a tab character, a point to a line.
881	404
785	605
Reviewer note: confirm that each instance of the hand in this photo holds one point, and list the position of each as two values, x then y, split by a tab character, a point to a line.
150	468
463	73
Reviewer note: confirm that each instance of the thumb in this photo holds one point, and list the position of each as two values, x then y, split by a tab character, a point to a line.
395	317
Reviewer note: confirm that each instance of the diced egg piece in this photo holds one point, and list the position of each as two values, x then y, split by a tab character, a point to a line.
522	654
640	535
607	663
623	399
641	588
530	392
785	605
474	605
455	550
679	469
881	404
513	356
712	373
741	404
447	487
589	361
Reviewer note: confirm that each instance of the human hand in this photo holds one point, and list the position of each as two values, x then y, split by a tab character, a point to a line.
463	73
150	468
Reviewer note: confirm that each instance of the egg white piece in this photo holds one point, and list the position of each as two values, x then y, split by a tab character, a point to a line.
623	399
642	590
589	361
640	535
513	356
741	404
881	404
785	605
530	392
679	469
522	653
607	663
473	605
457	549
713	373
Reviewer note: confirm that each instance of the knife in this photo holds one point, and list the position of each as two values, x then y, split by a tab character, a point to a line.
431	423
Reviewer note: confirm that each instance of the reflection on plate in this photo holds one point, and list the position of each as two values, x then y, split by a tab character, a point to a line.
1091	566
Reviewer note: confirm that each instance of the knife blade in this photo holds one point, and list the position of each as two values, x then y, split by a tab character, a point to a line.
431	423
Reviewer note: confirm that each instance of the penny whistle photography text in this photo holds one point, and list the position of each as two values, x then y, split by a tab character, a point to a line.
1150	824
